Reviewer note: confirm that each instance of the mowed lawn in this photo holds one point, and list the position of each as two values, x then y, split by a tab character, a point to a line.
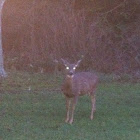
33	108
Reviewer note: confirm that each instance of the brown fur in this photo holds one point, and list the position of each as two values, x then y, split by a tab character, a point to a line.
75	85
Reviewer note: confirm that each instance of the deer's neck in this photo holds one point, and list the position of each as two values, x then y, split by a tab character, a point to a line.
69	81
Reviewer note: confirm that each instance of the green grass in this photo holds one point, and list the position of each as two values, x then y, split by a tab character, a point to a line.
39	113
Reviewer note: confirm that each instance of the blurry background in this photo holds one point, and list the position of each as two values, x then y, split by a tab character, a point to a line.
104	33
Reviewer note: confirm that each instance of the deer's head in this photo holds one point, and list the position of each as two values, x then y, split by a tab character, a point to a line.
70	68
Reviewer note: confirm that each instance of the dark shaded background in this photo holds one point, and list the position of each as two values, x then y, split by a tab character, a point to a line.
104	33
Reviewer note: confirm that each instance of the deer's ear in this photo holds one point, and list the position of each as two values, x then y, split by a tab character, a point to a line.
64	62
77	64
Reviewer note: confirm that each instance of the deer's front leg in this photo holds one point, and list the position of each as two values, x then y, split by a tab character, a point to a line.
73	108
68	102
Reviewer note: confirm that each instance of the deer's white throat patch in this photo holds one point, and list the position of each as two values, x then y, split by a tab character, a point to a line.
70	76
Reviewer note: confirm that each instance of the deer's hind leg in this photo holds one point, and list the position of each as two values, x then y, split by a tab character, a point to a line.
93	106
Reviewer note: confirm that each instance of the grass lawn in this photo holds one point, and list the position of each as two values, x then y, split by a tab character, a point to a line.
33	108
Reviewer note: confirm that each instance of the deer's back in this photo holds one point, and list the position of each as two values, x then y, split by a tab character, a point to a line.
85	80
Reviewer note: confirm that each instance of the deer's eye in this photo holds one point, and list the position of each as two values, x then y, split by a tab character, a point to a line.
74	68
67	68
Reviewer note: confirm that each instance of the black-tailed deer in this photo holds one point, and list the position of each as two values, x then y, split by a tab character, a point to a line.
75	85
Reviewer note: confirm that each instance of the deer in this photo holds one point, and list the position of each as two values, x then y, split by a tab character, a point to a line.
77	84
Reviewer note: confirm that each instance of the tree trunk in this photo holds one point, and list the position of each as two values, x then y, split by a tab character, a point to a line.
2	71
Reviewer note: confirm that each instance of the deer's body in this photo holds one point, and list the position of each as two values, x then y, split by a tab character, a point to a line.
78	84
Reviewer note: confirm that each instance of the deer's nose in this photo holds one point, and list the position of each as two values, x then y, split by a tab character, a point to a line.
70	73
